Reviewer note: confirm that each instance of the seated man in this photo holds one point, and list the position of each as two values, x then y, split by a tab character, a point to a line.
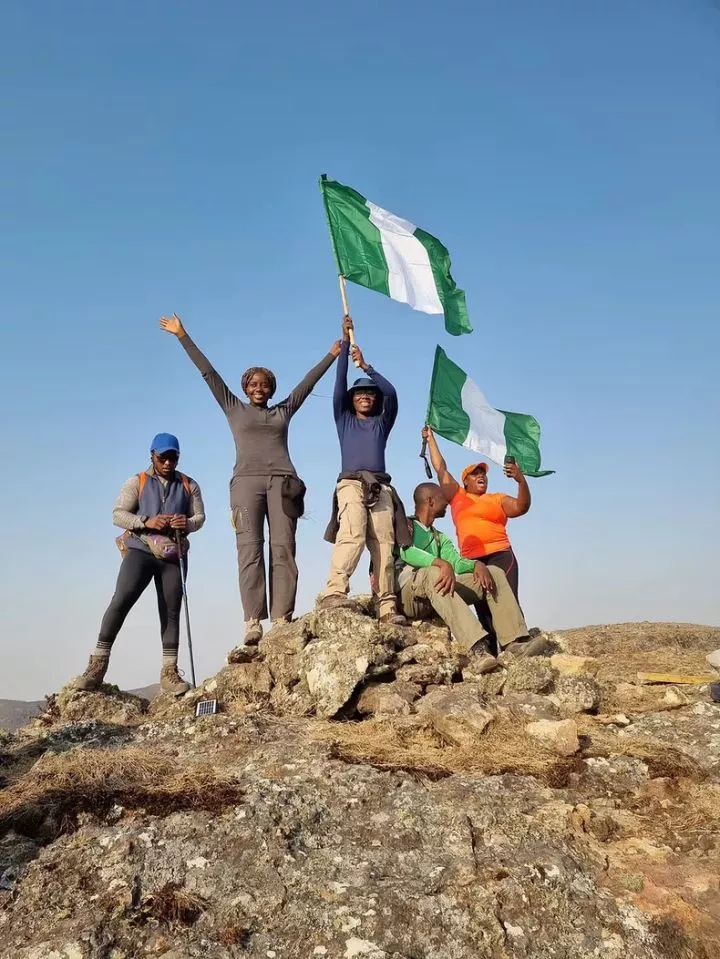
437	578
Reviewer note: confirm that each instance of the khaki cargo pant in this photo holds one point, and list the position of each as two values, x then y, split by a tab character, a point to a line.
360	527
419	597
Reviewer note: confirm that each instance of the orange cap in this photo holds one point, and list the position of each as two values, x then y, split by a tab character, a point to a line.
471	469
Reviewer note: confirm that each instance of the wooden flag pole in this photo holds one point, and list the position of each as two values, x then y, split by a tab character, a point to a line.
346	311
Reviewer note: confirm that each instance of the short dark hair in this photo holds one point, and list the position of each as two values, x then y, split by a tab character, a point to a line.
248	375
424	491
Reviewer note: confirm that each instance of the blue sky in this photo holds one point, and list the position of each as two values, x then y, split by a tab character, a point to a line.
164	156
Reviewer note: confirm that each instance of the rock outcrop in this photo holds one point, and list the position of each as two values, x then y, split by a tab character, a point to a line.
363	793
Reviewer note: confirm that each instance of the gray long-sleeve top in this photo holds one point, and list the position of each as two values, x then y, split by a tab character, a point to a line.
260	433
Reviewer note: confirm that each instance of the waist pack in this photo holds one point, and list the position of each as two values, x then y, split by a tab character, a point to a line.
160	545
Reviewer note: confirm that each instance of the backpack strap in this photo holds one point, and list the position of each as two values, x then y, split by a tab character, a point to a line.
142	480
186	484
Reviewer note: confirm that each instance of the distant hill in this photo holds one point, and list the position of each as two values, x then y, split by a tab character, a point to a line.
14	713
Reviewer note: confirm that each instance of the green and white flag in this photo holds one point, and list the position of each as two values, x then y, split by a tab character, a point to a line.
459	411
392	256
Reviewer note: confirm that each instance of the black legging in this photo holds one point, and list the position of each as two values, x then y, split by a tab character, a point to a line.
506	561
136	571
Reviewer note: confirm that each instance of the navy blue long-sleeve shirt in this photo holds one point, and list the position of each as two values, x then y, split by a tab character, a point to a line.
362	441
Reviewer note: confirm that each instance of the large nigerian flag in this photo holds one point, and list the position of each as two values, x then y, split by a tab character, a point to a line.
392	256
459	411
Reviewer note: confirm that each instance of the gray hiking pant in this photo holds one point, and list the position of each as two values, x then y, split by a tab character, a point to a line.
254	499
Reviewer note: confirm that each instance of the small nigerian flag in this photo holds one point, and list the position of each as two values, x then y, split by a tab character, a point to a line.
392	256
459	411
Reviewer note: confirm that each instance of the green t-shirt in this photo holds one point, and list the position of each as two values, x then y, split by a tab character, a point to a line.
428	545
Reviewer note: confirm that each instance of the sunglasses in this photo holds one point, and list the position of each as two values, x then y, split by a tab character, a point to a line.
169	457
368	394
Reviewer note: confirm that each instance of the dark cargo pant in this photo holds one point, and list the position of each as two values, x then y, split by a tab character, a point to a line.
253	499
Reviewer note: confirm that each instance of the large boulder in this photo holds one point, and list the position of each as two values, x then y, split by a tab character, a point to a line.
456	713
343	648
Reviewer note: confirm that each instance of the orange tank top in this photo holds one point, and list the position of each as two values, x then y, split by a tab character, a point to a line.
480	523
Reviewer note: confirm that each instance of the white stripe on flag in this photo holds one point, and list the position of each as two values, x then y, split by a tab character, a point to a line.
410	278
487	425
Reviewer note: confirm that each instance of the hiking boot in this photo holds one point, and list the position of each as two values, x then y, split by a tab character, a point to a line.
171	680
393	619
253	632
481	660
92	679
281	621
335	601
538	646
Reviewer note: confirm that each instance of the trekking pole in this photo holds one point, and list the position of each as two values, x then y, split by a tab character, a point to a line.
187	611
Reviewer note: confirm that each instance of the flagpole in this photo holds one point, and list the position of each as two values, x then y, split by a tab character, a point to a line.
346	311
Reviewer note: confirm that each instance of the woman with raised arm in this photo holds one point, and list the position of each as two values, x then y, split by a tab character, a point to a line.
264	483
480	517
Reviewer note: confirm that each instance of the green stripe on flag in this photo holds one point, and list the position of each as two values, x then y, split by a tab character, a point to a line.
356	242
522	435
445	413
452	298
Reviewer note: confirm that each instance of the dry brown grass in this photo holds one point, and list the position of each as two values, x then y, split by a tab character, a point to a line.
661	759
401	744
173	904
93	780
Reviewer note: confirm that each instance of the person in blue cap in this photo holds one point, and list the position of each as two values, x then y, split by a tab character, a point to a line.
366	509
151	506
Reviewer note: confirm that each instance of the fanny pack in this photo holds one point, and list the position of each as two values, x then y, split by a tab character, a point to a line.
161	546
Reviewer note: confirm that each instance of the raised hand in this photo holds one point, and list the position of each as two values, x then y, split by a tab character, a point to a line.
172	324
347	325
358	358
513	471
336	348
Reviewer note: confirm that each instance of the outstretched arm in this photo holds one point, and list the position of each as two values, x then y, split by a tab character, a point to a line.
225	397
448	483
342	369
305	387
520	504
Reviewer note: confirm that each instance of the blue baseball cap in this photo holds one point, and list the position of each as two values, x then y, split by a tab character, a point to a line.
164	442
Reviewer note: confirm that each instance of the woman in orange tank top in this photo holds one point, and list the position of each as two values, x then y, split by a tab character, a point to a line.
480	517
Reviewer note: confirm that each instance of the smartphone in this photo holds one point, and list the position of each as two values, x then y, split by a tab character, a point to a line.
509	459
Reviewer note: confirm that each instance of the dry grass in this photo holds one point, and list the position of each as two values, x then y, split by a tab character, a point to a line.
93	780
401	744
662	760
173	904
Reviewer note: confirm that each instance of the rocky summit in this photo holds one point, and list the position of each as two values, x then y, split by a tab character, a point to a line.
363	793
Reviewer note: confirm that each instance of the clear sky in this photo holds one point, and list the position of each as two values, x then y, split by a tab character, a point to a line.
164	156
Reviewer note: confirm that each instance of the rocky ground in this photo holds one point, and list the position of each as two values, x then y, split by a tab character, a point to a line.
363	794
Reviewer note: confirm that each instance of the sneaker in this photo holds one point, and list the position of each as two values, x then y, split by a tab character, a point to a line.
92	679
539	646
335	601
253	632
171	681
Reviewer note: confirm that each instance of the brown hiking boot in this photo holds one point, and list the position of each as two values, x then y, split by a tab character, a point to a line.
539	646
92	679
171	681
393	619
480	659
335	601
253	632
